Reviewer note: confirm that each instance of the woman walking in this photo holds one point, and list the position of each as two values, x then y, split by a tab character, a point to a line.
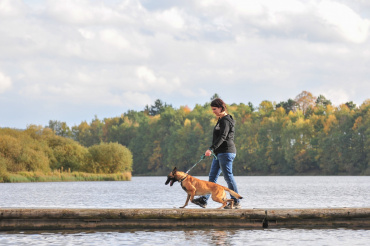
224	148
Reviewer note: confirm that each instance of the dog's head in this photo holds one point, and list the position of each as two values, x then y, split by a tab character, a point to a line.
171	178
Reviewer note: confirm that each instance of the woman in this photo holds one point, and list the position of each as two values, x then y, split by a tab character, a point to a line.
224	148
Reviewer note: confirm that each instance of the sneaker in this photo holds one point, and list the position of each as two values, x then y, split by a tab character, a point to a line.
200	202
236	206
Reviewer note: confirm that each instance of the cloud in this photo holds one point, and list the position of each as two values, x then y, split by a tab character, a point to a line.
337	96
313	20
105	55
81	12
146	75
171	17
135	99
344	21
148	81
5	83
12	8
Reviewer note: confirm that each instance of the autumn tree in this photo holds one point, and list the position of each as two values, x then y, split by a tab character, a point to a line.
60	128
67	154
108	158
3	169
350	105
38	149
305	100
307	135
289	105
321	101
265	108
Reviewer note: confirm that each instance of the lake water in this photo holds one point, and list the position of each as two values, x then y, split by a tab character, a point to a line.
150	192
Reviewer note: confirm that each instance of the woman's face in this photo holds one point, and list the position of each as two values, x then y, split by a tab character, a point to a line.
216	111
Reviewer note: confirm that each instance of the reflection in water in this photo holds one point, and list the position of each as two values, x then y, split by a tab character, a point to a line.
221	237
214	237
190	237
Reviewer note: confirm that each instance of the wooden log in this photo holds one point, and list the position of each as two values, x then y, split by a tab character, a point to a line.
59	219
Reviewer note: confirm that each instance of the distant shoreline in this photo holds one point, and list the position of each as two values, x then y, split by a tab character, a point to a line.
57	176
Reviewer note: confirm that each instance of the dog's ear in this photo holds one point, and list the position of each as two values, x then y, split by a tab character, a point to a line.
174	170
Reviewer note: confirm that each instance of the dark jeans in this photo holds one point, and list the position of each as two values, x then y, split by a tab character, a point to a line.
224	164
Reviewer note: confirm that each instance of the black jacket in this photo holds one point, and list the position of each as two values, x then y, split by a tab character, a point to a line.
223	136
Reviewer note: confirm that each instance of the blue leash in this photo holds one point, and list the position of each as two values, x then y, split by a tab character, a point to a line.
201	159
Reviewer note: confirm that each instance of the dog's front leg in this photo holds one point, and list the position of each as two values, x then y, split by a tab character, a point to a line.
187	201
192	194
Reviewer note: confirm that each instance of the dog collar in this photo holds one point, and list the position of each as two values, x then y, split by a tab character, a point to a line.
183	178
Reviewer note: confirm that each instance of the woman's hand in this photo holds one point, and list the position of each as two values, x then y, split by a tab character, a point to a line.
208	153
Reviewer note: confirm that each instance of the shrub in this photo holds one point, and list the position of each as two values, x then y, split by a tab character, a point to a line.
67	154
108	158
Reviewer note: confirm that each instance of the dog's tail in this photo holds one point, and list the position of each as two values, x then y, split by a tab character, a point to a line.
233	193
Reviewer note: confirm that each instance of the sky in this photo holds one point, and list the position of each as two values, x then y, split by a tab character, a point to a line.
72	60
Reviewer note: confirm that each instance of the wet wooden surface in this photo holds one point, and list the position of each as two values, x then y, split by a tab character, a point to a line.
59	218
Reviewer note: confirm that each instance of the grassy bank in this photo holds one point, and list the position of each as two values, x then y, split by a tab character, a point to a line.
57	176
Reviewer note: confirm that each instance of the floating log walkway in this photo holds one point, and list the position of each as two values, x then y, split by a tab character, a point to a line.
60	219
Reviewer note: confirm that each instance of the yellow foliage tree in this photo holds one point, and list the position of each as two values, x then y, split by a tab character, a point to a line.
305	100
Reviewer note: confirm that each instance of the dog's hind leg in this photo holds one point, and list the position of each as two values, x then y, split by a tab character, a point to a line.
223	200
187	201
224	203
231	201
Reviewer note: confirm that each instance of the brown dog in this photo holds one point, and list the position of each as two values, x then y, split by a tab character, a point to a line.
197	187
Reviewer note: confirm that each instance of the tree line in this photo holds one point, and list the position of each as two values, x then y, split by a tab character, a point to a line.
306	135
39	149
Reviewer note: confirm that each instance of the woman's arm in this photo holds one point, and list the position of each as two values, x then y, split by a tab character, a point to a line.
224	131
